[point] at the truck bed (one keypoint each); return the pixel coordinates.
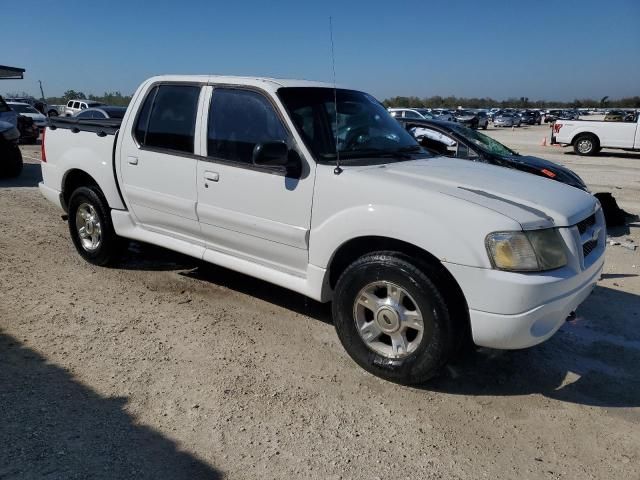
(101, 126)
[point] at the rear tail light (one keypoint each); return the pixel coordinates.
(43, 155)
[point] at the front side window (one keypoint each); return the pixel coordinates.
(238, 121)
(76, 104)
(361, 127)
(483, 142)
(168, 118)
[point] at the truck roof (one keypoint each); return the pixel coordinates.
(272, 84)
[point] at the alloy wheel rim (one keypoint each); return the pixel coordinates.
(388, 319)
(88, 227)
(584, 146)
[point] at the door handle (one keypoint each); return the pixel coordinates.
(212, 176)
(132, 160)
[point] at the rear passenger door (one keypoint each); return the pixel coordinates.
(249, 211)
(158, 161)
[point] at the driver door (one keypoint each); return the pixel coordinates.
(251, 212)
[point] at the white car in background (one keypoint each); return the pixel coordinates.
(26, 110)
(75, 106)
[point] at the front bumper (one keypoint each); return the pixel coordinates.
(529, 328)
(510, 310)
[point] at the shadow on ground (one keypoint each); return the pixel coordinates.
(609, 153)
(147, 257)
(265, 291)
(592, 360)
(54, 427)
(30, 177)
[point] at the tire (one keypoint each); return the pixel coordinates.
(423, 352)
(484, 127)
(88, 209)
(11, 165)
(586, 144)
(53, 113)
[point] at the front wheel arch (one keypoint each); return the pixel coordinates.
(358, 247)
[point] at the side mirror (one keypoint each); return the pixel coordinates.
(278, 156)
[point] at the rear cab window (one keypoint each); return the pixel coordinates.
(167, 119)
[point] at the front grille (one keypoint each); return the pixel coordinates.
(586, 223)
(588, 247)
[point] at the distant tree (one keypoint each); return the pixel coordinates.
(69, 94)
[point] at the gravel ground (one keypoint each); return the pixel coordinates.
(167, 368)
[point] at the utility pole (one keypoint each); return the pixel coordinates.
(41, 91)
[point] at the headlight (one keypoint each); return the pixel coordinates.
(531, 251)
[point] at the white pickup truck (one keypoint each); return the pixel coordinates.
(588, 137)
(416, 252)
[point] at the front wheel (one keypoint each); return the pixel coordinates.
(392, 318)
(90, 227)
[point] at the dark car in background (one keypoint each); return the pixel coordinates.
(10, 156)
(455, 140)
(531, 117)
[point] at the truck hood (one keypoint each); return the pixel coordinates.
(532, 201)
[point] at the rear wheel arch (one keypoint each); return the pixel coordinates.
(73, 180)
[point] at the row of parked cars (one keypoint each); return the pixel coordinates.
(508, 117)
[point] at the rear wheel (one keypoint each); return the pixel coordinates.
(392, 319)
(586, 144)
(90, 227)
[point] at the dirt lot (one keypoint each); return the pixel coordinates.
(165, 368)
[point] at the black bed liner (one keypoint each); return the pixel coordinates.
(100, 126)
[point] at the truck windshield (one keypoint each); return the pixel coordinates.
(483, 141)
(364, 128)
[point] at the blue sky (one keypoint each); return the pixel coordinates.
(542, 50)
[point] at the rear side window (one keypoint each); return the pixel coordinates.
(238, 120)
(76, 104)
(168, 118)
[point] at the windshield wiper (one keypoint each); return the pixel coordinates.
(402, 153)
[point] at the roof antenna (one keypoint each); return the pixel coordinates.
(338, 169)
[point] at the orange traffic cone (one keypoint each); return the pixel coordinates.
(544, 142)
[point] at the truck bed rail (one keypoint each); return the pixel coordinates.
(100, 126)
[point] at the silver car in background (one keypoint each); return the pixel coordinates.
(506, 120)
